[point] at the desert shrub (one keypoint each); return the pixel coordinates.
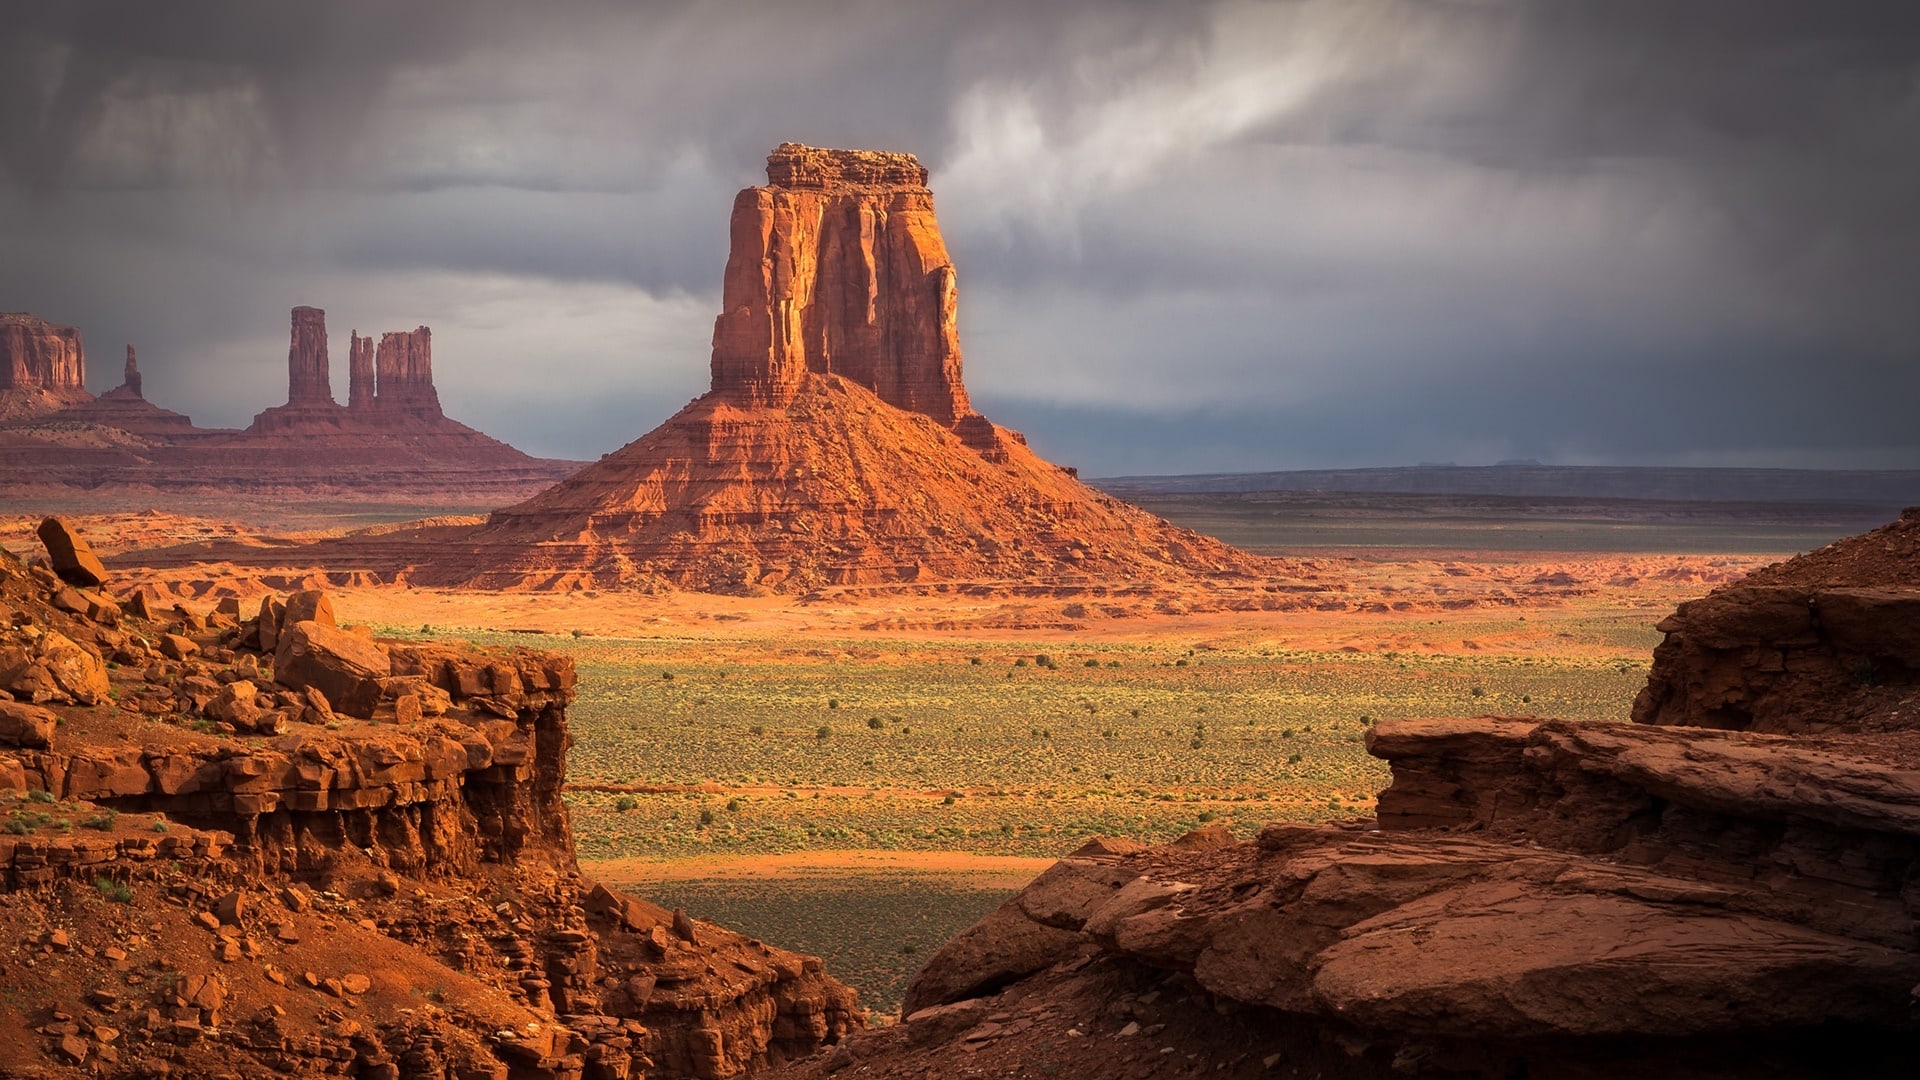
(823, 732)
(875, 723)
(706, 816)
(625, 803)
(117, 891)
(40, 795)
(733, 806)
(833, 703)
(102, 821)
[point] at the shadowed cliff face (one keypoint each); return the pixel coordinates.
(837, 267)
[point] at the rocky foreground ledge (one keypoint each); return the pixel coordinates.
(241, 845)
(1536, 897)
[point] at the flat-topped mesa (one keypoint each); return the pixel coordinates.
(42, 366)
(837, 267)
(405, 366)
(307, 375)
(360, 377)
(796, 167)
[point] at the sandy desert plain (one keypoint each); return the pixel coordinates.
(862, 773)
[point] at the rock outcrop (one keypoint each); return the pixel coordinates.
(130, 375)
(837, 267)
(836, 446)
(360, 373)
(123, 409)
(309, 380)
(1727, 888)
(1826, 642)
(404, 364)
(395, 446)
(43, 367)
(212, 865)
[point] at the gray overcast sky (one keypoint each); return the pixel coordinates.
(1190, 235)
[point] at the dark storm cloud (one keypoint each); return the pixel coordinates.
(1340, 232)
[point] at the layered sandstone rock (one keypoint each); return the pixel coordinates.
(360, 373)
(43, 367)
(836, 446)
(125, 408)
(308, 378)
(1535, 897)
(130, 375)
(1826, 642)
(209, 871)
(405, 370)
(837, 267)
(399, 448)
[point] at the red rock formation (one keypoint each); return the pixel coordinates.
(42, 367)
(124, 409)
(405, 364)
(836, 445)
(360, 373)
(404, 451)
(130, 375)
(308, 379)
(837, 267)
(1829, 641)
(1536, 897)
(341, 897)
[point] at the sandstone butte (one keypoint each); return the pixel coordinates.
(836, 445)
(41, 367)
(260, 843)
(1727, 886)
(391, 442)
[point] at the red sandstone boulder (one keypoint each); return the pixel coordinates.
(27, 726)
(345, 667)
(72, 557)
(310, 605)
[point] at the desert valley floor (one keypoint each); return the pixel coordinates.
(862, 773)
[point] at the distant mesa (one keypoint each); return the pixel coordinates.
(836, 446)
(42, 367)
(391, 442)
(386, 388)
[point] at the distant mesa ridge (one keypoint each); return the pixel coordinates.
(1887, 488)
(391, 441)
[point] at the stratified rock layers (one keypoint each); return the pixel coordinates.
(42, 366)
(836, 445)
(1543, 897)
(838, 268)
(390, 443)
(404, 364)
(360, 376)
(308, 380)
